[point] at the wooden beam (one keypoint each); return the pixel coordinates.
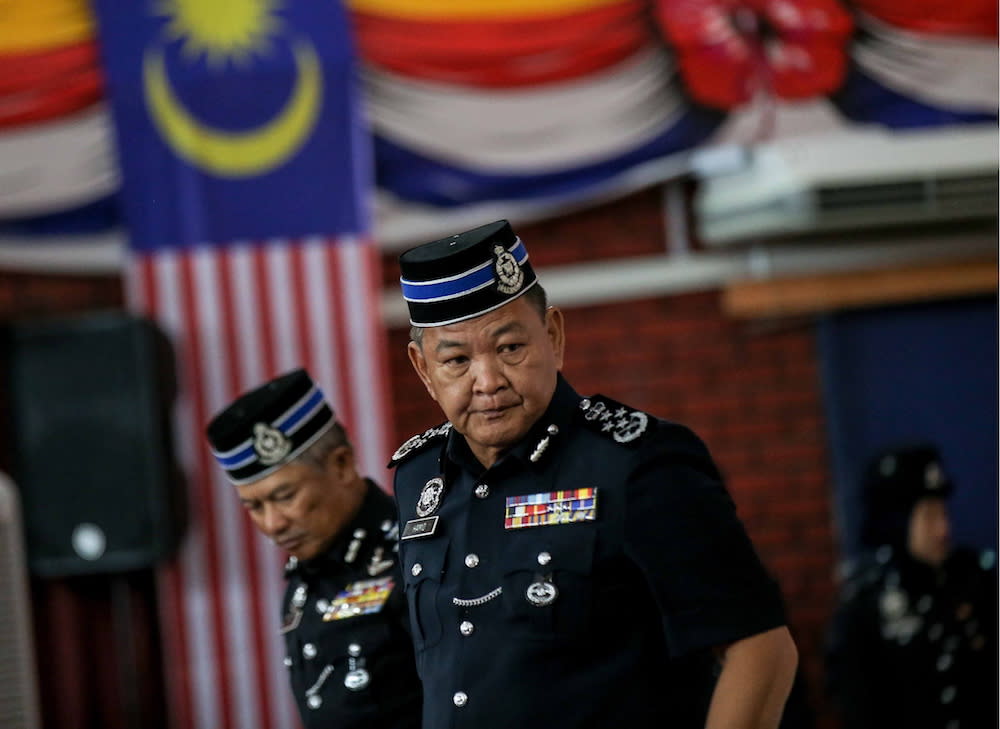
(792, 296)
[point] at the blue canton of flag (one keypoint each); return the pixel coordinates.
(232, 120)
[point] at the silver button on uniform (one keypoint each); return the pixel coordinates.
(354, 649)
(466, 627)
(314, 701)
(471, 560)
(460, 698)
(309, 650)
(544, 558)
(288, 661)
(482, 491)
(416, 569)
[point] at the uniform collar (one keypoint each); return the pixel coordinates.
(546, 431)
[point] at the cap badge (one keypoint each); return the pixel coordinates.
(933, 476)
(430, 497)
(510, 277)
(270, 443)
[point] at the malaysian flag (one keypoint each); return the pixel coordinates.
(246, 175)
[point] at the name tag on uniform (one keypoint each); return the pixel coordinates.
(555, 507)
(360, 598)
(416, 528)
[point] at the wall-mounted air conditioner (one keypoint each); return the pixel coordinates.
(849, 180)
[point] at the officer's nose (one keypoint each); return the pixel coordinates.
(488, 377)
(273, 521)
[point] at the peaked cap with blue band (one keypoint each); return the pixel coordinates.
(465, 275)
(269, 426)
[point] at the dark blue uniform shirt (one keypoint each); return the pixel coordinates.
(575, 615)
(349, 653)
(915, 646)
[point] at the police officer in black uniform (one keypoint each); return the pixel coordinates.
(913, 640)
(562, 555)
(349, 653)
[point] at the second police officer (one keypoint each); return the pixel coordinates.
(344, 624)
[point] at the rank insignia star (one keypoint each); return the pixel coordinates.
(622, 424)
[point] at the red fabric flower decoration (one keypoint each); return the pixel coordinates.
(729, 50)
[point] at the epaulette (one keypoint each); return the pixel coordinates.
(419, 442)
(616, 421)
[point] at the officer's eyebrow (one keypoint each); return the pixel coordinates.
(278, 490)
(447, 344)
(512, 326)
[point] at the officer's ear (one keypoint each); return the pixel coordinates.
(556, 333)
(340, 463)
(419, 363)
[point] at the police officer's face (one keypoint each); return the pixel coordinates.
(494, 375)
(929, 535)
(302, 508)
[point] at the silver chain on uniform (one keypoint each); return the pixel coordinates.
(477, 600)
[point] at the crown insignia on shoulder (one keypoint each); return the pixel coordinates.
(612, 418)
(418, 442)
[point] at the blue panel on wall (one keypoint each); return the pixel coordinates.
(924, 372)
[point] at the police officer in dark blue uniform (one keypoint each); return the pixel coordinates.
(563, 554)
(913, 640)
(349, 653)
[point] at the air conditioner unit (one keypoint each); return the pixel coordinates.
(849, 180)
(19, 708)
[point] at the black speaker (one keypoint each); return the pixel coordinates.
(90, 402)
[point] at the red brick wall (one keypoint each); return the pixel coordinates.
(752, 392)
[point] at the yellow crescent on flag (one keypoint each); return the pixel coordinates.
(243, 153)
